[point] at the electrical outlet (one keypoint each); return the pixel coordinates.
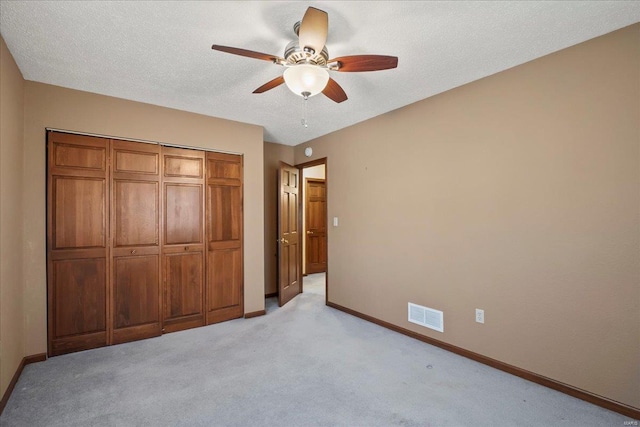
(479, 315)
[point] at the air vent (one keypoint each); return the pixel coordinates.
(428, 317)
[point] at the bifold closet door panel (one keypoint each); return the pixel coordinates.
(78, 291)
(135, 295)
(77, 242)
(183, 238)
(184, 290)
(225, 296)
(135, 229)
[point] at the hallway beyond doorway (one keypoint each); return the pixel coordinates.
(314, 283)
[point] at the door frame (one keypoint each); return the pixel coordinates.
(323, 161)
(305, 261)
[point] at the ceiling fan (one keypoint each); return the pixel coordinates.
(307, 60)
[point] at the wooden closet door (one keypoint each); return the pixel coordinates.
(183, 239)
(77, 242)
(135, 227)
(224, 267)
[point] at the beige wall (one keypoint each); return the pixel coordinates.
(517, 194)
(11, 167)
(273, 155)
(52, 106)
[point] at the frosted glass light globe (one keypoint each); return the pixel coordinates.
(306, 78)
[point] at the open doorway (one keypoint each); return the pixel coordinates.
(313, 204)
(301, 241)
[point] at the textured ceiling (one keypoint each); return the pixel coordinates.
(159, 52)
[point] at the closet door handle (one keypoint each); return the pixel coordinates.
(133, 252)
(186, 248)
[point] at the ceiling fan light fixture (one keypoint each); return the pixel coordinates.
(307, 61)
(306, 79)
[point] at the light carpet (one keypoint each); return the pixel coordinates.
(303, 364)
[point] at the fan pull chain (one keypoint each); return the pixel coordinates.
(305, 97)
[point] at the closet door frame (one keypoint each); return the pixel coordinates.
(227, 252)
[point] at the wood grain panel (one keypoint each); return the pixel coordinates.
(135, 229)
(294, 209)
(79, 287)
(136, 291)
(294, 263)
(289, 245)
(183, 166)
(316, 215)
(183, 238)
(223, 166)
(224, 262)
(284, 213)
(135, 161)
(225, 279)
(224, 212)
(183, 213)
(135, 209)
(134, 333)
(77, 242)
(79, 156)
(184, 284)
(316, 226)
(316, 249)
(316, 188)
(79, 212)
(79, 342)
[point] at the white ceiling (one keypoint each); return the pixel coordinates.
(159, 52)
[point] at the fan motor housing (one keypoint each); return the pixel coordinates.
(294, 54)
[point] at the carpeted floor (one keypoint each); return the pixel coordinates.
(300, 365)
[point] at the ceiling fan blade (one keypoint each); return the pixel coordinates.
(247, 53)
(270, 85)
(334, 91)
(313, 29)
(365, 62)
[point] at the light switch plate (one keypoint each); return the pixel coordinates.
(335, 221)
